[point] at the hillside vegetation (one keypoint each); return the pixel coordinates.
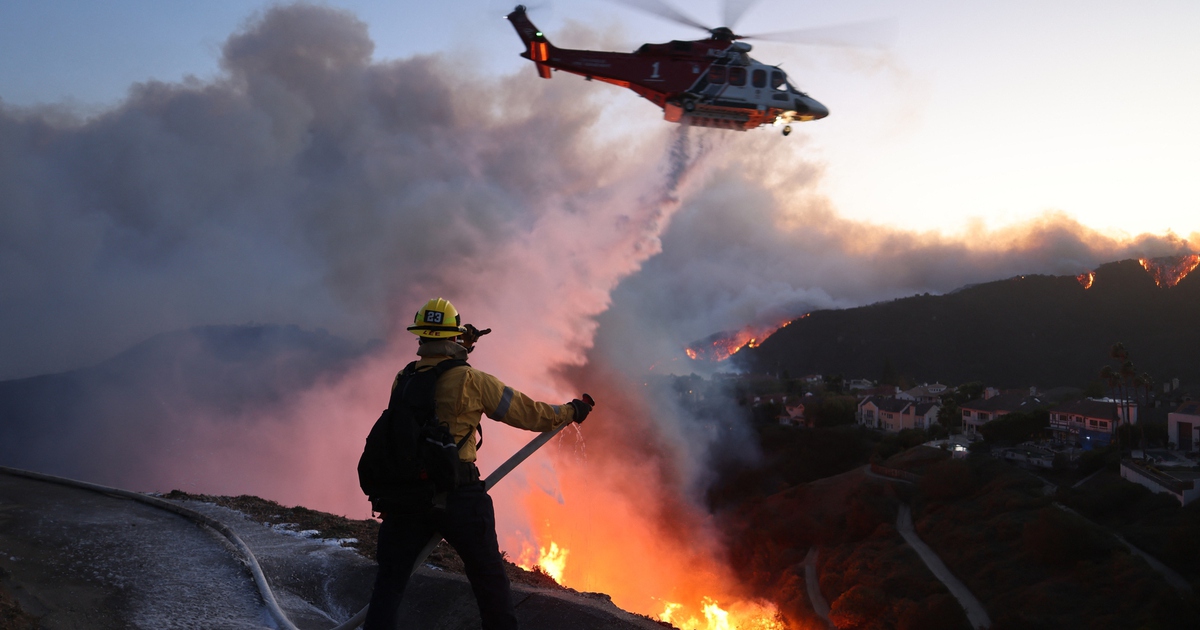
(1030, 330)
(1030, 562)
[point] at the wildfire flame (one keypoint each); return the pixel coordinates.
(724, 345)
(717, 618)
(550, 560)
(1167, 272)
(616, 549)
(1086, 279)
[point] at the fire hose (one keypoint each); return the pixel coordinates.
(260, 580)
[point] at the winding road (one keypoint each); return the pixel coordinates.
(976, 613)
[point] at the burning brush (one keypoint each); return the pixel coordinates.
(725, 344)
(1168, 271)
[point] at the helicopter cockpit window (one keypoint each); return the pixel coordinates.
(778, 81)
(737, 76)
(759, 78)
(716, 74)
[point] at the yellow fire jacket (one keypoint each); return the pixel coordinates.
(464, 395)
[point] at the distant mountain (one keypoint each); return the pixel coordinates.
(1029, 330)
(113, 421)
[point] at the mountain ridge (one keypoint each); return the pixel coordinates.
(1027, 330)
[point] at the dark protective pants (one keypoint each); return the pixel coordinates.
(469, 524)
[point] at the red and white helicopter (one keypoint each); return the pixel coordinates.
(709, 82)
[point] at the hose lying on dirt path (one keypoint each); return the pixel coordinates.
(260, 580)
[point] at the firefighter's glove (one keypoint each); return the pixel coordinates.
(472, 335)
(581, 408)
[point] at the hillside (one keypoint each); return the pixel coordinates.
(994, 525)
(1029, 330)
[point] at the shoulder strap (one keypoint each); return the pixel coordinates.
(448, 364)
(444, 367)
(402, 384)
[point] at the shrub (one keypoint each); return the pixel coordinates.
(1055, 538)
(982, 448)
(832, 411)
(858, 608)
(946, 481)
(1096, 459)
(867, 508)
(937, 612)
(1016, 427)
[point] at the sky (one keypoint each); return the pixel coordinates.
(991, 112)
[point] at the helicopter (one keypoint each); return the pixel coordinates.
(709, 82)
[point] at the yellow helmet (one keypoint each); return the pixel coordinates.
(438, 319)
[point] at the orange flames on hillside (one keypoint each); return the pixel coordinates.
(603, 538)
(724, 345)
(1086, 279)
(1167, 272)
(550, 560)
(707, 614)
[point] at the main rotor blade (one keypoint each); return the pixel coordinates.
(663, 10)
(735, 9)
(866, 34)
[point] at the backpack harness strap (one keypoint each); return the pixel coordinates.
(440, 369)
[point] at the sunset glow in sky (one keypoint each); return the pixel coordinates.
(992, 111)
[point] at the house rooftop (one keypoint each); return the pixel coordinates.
(1191, 408)
(1016, 401)
(1089, 409)
(1059, 394)
(934, 390)
(894, 405)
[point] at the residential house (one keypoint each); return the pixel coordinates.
(1090, 422)
(1183, 426)
(856, 384)
(1181, 483)
(925, 414)
(765, 399)
(924, 393)
(893, 414)
(793, 412)
(980, 411)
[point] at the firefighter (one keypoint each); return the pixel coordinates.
(464, 516)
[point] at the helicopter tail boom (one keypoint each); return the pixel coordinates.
(537, 47)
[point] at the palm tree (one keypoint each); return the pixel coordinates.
(1125, 382)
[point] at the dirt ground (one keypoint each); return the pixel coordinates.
(77, 559)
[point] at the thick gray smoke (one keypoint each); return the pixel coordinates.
(311, 186)
(308, 185)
